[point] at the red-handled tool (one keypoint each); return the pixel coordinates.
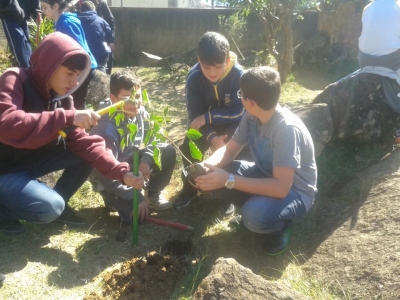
(170, 224)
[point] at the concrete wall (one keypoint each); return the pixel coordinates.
(168, 31)
(164, 32)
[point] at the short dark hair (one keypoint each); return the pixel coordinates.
(122, 80)
(76, 62)
(62, 4)
(213, 48)
(262, 85)
(88, 6)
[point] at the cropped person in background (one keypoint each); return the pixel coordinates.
(69, 24)
(379, 48)
(104, 11)
(99, 35)
(14, 15)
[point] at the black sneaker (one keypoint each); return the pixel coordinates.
(184, 200)
(11, 227)
(2, 278)
(226, 209)
(69, 217)
(276, 243)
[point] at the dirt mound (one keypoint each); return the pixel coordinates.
(154, 277)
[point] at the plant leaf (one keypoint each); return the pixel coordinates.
(132, 129)
(121, 132)
(195, 151)
(122, 144)
(111, 111)
(145, 97)
(193, 134)
(148, 136)
(157, 156)
(118, 118)
(156, 127)
(166, 111)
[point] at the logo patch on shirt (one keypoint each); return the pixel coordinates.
(227, 99)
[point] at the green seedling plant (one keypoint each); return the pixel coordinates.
(154, 134)
(38, 32)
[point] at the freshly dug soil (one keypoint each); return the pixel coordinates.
(152, 278)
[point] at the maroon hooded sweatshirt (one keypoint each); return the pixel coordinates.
(31, 115)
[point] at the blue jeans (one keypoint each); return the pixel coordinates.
(24, 197)
(261, 214)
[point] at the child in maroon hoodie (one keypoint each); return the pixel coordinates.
(35, 106)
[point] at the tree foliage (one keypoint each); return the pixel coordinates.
(329, 5)
(276, 17)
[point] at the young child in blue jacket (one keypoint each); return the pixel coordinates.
(99, 35)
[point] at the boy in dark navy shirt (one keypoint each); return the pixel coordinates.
(212, 102)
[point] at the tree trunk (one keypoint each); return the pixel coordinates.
(285, 55)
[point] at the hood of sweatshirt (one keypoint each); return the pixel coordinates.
(54, 49)
(87, 17)
(233, 60)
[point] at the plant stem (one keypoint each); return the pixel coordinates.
(135, 206)
(177, 148)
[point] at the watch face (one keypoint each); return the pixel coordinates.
(230, 183)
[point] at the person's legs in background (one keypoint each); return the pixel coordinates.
(18, 40)
(80, 95)
(110, 63)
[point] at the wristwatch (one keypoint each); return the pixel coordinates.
(230, 183)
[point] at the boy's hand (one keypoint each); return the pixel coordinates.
(145, 169)
(198, 122)
(214, 180)
(136, 182)
(143, 212)
(85, 119)
(218, 142)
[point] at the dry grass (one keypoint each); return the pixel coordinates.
(59, 262)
